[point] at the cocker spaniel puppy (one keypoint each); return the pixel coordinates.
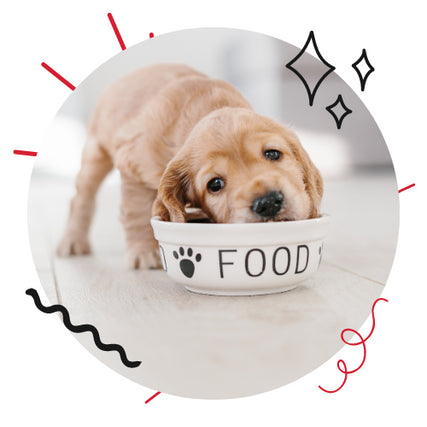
(179, 139)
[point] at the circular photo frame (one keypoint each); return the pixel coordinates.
(215, 346)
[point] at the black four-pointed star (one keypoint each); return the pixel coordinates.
(363, 76)
(311, 91)
(338, 110)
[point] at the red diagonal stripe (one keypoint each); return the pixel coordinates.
(25, 153)
(153, 396)
(58, 76)
(406, 188)
(116, 31)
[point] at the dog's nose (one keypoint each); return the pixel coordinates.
(269, 204)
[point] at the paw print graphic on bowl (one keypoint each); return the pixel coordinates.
(187, 265)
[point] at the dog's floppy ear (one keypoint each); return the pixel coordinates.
(312, 178)
(172, 193)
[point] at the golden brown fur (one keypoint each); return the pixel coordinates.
(169, 129)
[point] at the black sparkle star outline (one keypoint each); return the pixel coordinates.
(363, 79)
(347, 111)
(289, 65)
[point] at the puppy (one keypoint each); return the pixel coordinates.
(179, 139)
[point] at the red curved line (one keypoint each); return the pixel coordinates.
(364, 353)
(362, 341)
(373, 317)
(372, 328)
(354, 332)
(345, 379)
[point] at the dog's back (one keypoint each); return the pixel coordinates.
(129, 95)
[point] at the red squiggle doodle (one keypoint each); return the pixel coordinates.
(341, 365)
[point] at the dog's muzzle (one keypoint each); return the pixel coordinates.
(269, 204)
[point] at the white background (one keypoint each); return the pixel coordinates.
(47, 378)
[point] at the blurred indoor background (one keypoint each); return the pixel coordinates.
(253, 63)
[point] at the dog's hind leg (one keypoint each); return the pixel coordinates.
(96, 164)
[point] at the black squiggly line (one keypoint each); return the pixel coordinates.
(81, 328)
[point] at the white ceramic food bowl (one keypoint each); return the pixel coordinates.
(241, 259)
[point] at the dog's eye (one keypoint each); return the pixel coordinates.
(272, 154)
(215, 184)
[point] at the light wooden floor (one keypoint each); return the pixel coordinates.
(217, 347)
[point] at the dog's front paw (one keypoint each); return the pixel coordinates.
(73, 245)
(138, 258)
